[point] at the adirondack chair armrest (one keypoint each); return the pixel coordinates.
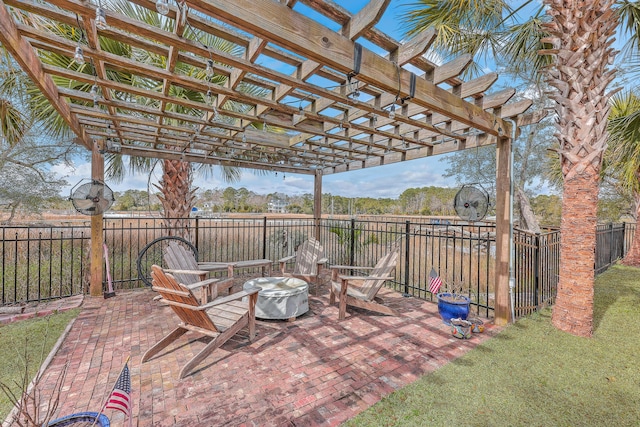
(336, 268)
(232, 297)
(283, 262)
(214, 266)
(287, 258)
(323, 261)
(192, 272)
(347, 278)
(350, 267)
(202, 283)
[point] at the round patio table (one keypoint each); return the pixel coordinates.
(280, 297)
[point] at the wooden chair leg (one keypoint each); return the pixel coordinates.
(342, 311)
(164, 342)
(252, 315)
(332, 295)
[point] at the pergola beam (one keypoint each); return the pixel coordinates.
(296, 32)
(365, 19)
(424, 125)
(26, 57)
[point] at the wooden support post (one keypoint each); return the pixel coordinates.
(317, 202)
(503, 220)
(97, 234)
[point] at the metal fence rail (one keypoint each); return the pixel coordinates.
(610, 245)
(536, 269)
(44, 262)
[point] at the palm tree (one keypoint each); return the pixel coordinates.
(177, 192)
(581, 76)
(622, 159)
(578, 40)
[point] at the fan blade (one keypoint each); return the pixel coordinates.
(84, 204)
(103, 205)
(473, 213)
(96, 193)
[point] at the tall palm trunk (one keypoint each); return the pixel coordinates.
(177, 197)
(582, 34)
(633, 256)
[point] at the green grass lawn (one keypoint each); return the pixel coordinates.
(534, 375)
(31, 341)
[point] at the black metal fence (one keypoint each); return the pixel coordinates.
(611, 244)
(536, 268)
(44, 262)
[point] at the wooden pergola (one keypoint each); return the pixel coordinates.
(317, 93)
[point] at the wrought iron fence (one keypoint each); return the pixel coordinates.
(536, 268)
(44, 262)
(610, 244)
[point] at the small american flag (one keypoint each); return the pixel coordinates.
(434, 281)
(120, 398)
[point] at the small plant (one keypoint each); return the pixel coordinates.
(453, 290)
(33, 405)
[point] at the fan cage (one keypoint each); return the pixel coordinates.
(91, 198)
(471, 202)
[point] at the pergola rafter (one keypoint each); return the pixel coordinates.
(327, 123)
(303, 115)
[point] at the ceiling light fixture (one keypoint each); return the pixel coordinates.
(79, 55)
(162, 6)
(101, 20)
(209, 69)
(95, 94)
(392, 112)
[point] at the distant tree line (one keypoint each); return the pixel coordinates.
(430, 201)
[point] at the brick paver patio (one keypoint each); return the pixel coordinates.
(314, 371)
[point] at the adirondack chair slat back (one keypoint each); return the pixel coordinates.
(383, 268)
(165, 283)
(177, 257)
(307, 256)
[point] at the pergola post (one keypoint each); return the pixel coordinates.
(317, 202)
(97, 235)
(503, 227)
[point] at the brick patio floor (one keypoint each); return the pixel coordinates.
(313, 371)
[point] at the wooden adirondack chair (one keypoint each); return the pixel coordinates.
(220, 319)
(187, 270)
(361, 291)
(309, 260)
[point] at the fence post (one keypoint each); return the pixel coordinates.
(264, 238)
(352, 255)
(611, 248)
(197, 239)
(406, 258)
(536, 272)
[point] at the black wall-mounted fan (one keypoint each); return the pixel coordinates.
(91, 198)
(471, 203)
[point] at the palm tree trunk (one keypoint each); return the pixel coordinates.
(573, 311)
(177, 197)
(633, 256)
(582, 33)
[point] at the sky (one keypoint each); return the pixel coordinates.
(384, 181)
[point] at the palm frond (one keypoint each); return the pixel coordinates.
(13, 124)
(622, 159)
